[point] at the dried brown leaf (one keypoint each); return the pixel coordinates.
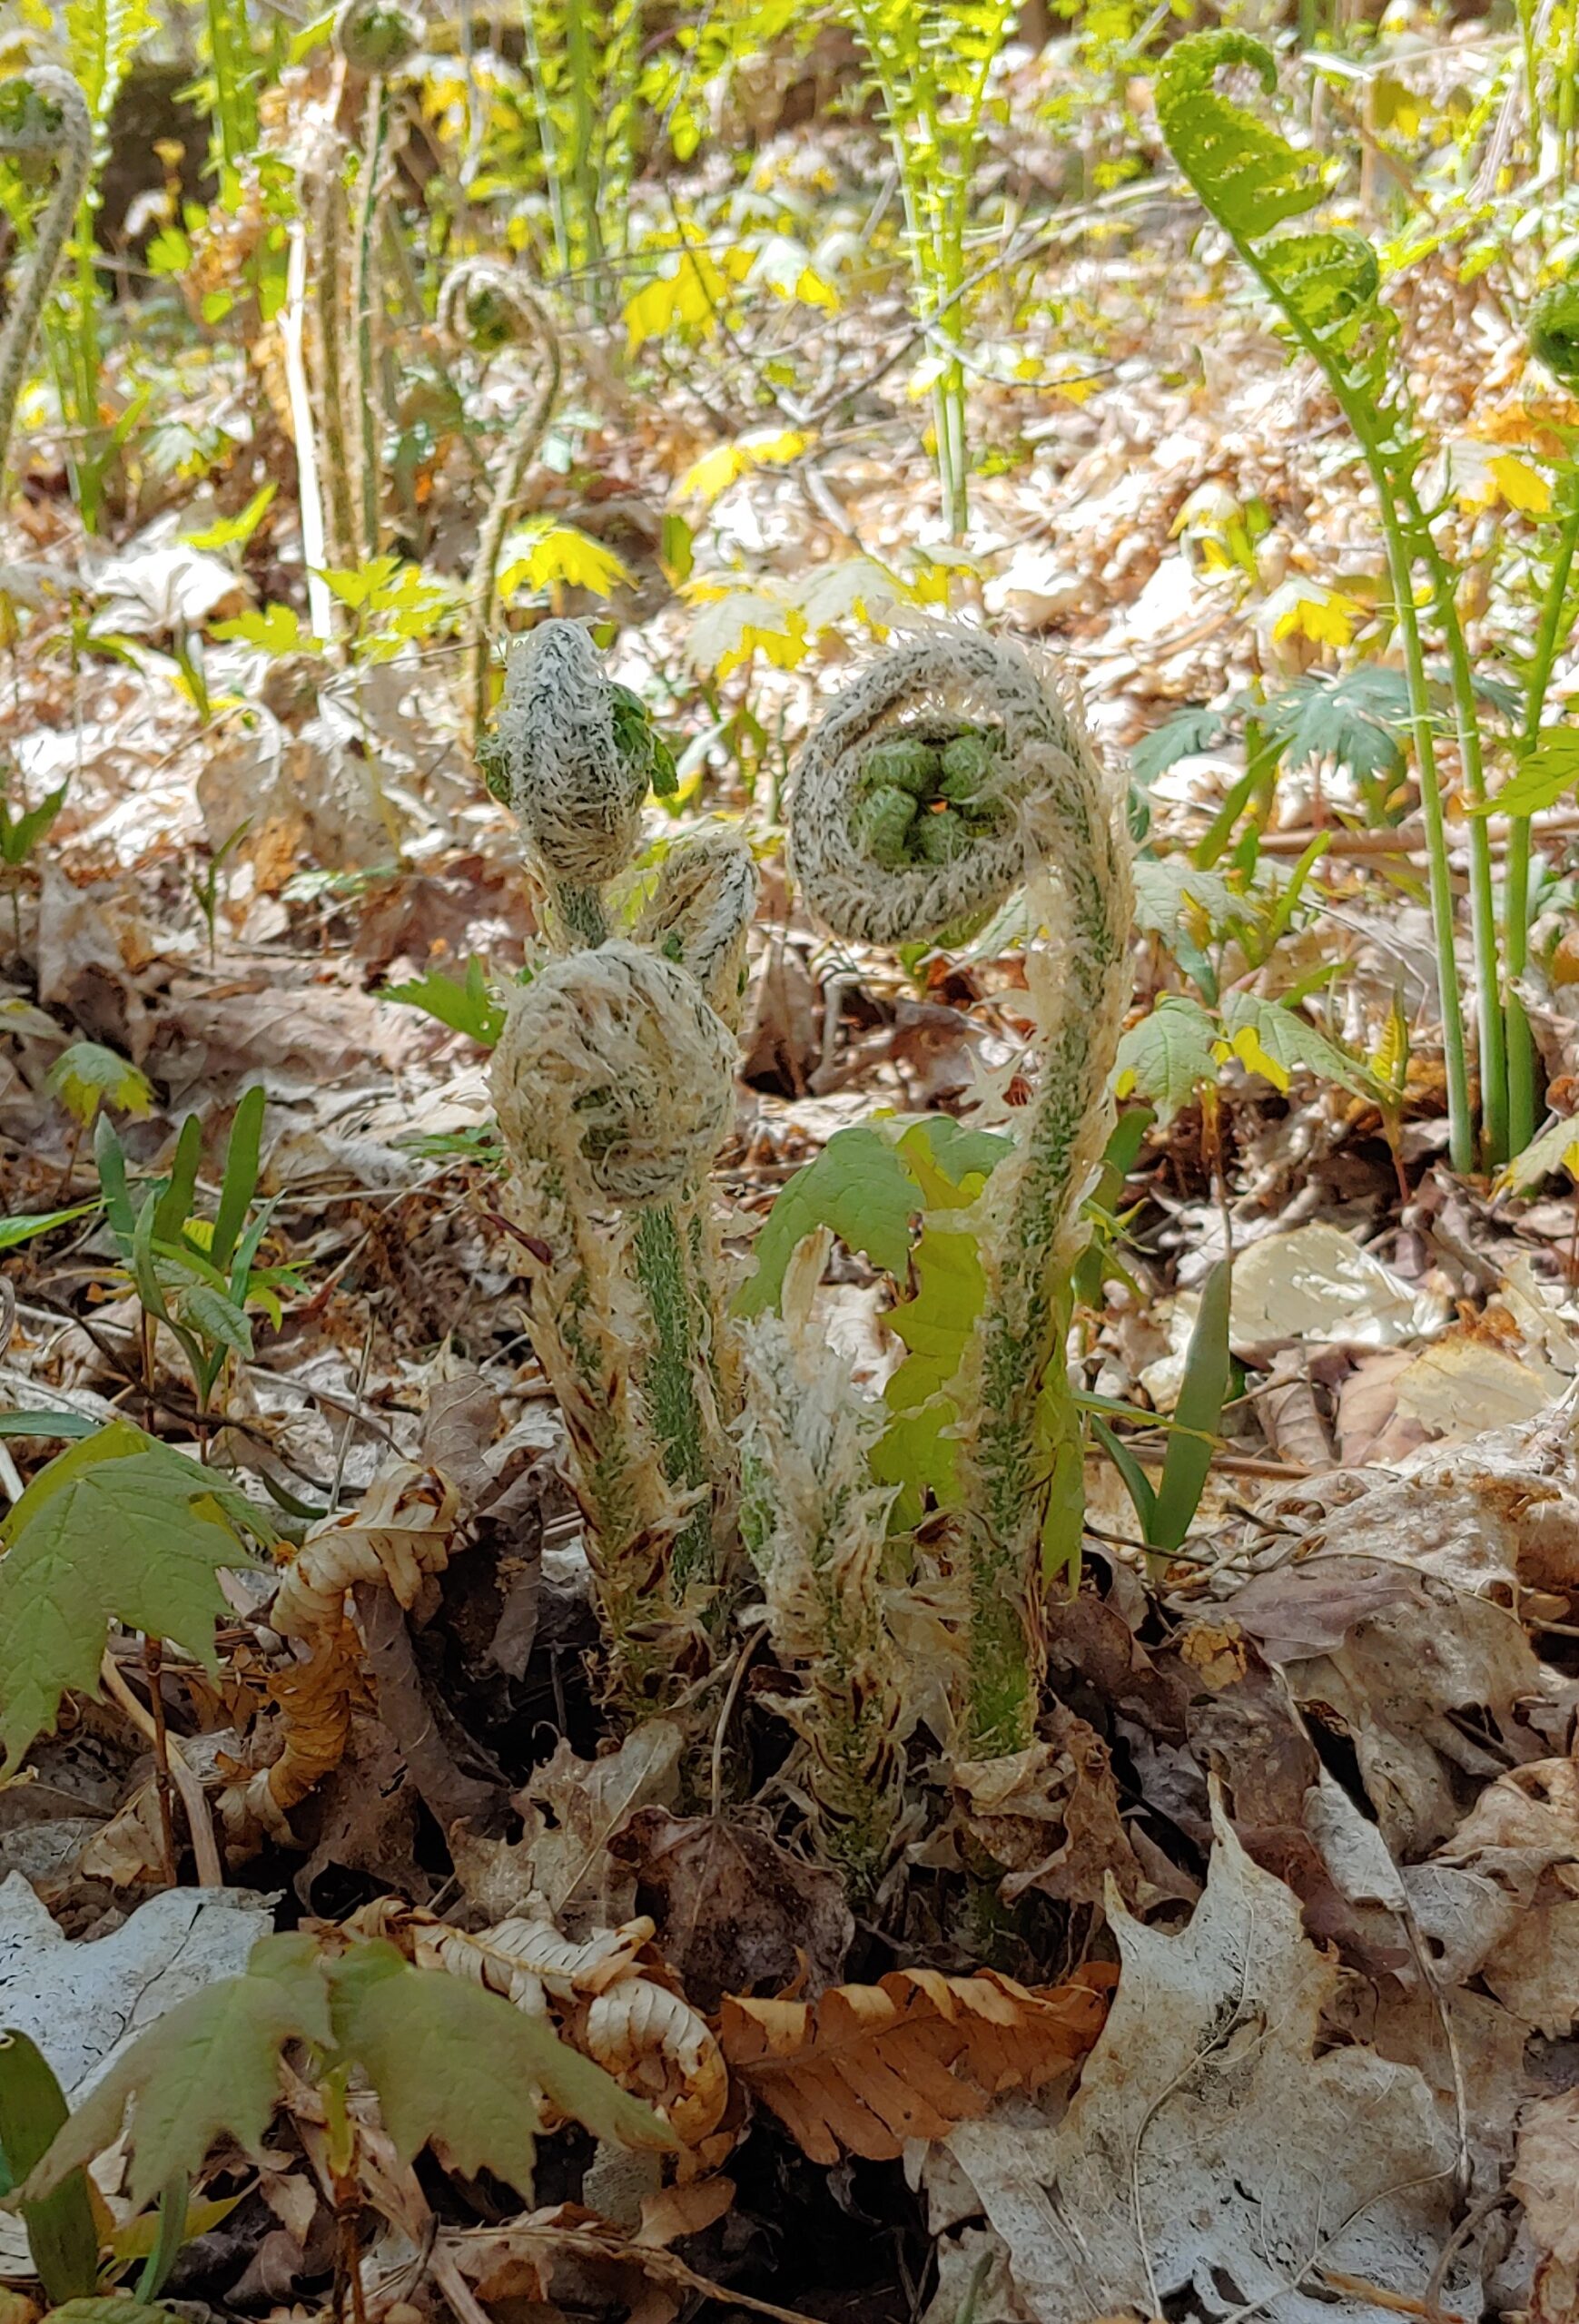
(867, 2067)
(1545, 2179)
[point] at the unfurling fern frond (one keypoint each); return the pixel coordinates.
(961, 735)
(1249, 178)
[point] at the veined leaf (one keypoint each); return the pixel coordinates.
(87, 1075)
(858, 1185)
(61, 2234)
(27, 1224)
(455, 2064)
(1178, 737)
(1548, 768)
(1168, 1056)
(210, 2066)
(116, 1528)
(1291, 1041)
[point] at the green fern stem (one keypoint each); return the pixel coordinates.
(946, 778)
(675, 1368)
(42, 113)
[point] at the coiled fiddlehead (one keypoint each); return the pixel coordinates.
(488, 305)
(614, 1085)
(44, 116)
(376, 38)
(976, 734)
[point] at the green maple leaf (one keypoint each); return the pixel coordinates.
(1168, 1056)
(118, 1528)
(209, 2066)
(455, 2064)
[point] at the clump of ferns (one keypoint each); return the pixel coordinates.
(488, 305)
(946, 778)
(614, 1084)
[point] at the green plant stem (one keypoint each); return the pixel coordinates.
(677, 1362)
(1365, 424)
(1521, 1046)
(74, 146)
(1493, 1051)
(329, 219)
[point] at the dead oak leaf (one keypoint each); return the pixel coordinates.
(867, 2067)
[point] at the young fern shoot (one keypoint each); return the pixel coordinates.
(488, 305)
(614, 1082)
(946, 778)
(815, 1527)
(43, 118)
(376, 38)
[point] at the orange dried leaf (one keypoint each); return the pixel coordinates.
(867, 2067)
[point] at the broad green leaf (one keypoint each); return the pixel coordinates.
(1291, 1041)
(1165, 886)
(453, 2063)
(468, 1007)
(209, 2067)
(1548, 769)
(1206, 1368)
(1168, 1057)
(61, 2235)
(215, 1318)
(858, 1185)
(86, 1076)
(117, 1528)
(27, 1224)
(240, 1182)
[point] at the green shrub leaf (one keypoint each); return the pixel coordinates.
(116, 1528)
(209, 2067)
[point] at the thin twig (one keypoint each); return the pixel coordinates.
(209, 1871)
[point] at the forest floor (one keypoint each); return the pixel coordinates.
(1360, 1670)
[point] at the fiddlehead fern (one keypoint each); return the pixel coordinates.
(813, 1525)
(488, 304)
(376, 38)
(1031, 800)
(43, 117)
(614, 1085)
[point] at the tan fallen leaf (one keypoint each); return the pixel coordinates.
(1209, 2152)
(868, 2067)
(1545, 2179)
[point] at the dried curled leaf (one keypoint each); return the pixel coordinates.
(656, 2043)
(404, 1530)
(867, 2067)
